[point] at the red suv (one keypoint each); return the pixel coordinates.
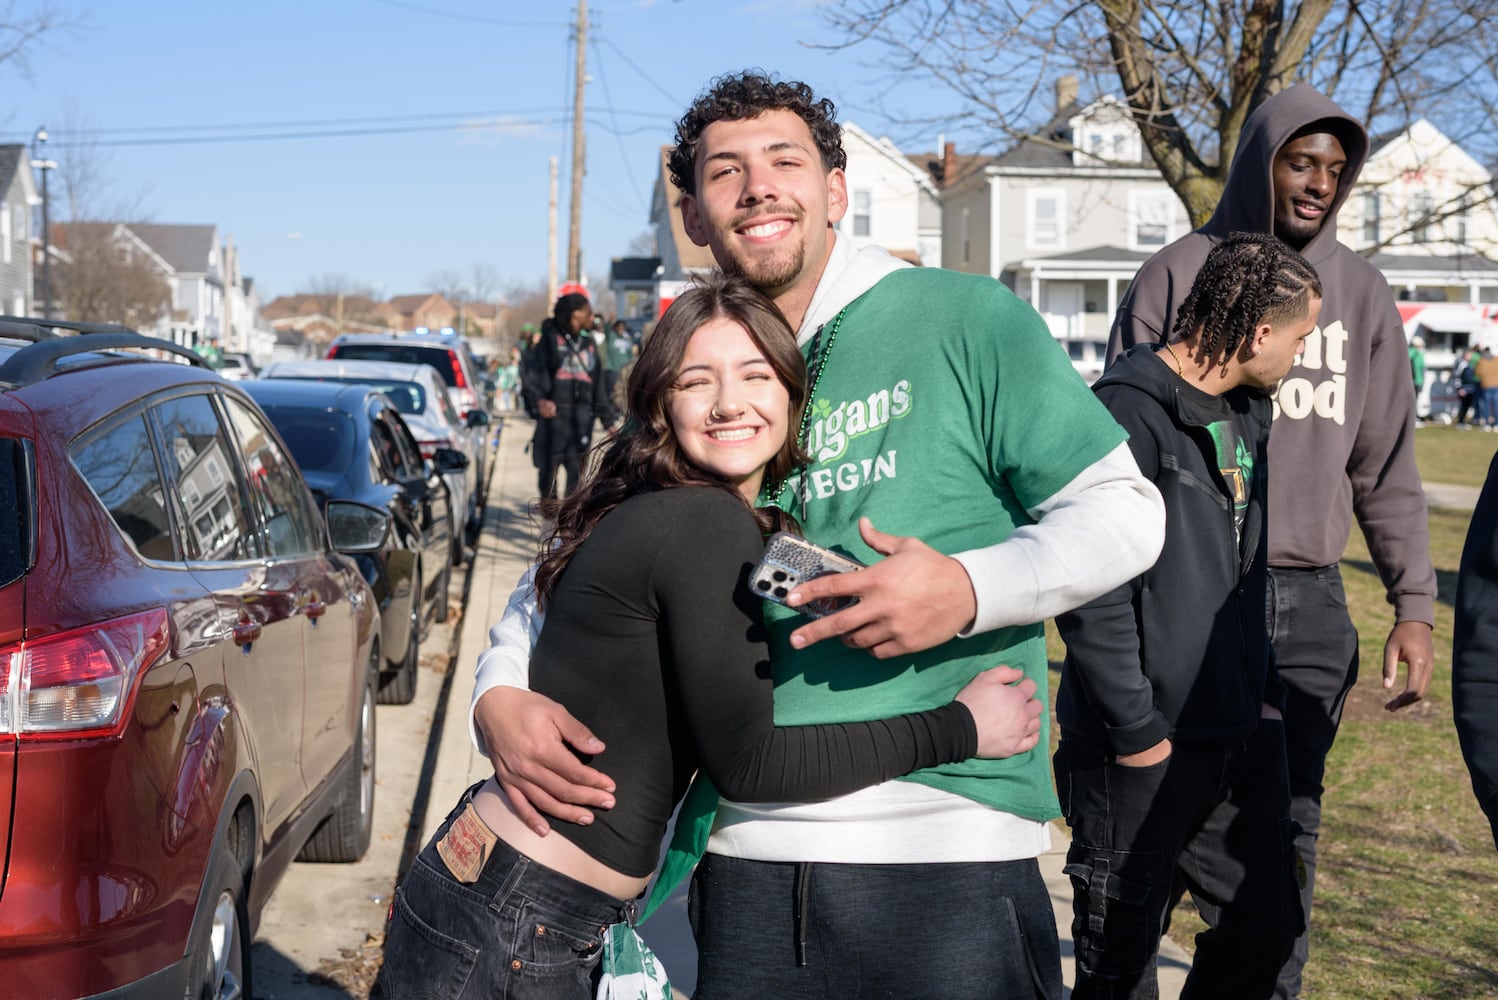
(187, 669)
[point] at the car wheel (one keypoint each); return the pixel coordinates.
(345, 835)
(218, 962)
(399, 687)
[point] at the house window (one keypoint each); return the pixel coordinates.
(1420, 222)
(1372, 218)
(1047, 207)
(5, 233)
(1460, 219)
(1151, 216)
(863, 207)
(967, 237)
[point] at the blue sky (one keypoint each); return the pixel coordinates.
(389, 210)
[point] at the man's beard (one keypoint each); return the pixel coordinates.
(769, 272)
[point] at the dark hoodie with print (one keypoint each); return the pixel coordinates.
(1343, 440)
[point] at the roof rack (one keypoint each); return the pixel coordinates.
(39, 360)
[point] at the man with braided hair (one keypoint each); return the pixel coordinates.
(1344, 436)
(1171, 764)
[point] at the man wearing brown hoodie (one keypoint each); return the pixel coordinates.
(1343, 440)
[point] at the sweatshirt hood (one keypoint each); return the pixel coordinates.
(1248, 196)
(848, 274)
(1138, 370)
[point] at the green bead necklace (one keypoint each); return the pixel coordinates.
(770, 496)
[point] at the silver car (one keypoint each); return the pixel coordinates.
(422, 399)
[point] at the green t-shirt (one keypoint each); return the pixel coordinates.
(945, 411)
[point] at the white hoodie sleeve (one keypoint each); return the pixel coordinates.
(507, 661)
(1104, 527)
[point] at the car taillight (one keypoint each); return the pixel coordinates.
(79, 684)
(429, 448)
(333, 351)
(461, 383)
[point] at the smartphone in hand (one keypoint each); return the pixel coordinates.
(790, 560)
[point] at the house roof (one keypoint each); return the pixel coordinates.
(1462, 263)
(1096, 254)
(633, 268)
(185, 247)
(692, 256)
(11, 155)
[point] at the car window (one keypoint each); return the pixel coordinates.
(319, 441)
(449, 411)
(440, 358)
(199, 462)
(407, 396)
(119, 464)
(17, 501)
(390, 452)
(277, 491)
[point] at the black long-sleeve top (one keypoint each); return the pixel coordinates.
(1474, 650)
(653, 640)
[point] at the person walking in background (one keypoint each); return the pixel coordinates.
(1172, 756)
(1417, 370)
(507, 379)
(569, 393)
(1344, 436)
(1468, 389)
(1487, 381)
(653, 638)
(619, 348)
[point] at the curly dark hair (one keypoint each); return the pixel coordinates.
(749, 94)
(1247, 279)
(645, 455)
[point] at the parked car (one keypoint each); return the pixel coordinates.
(187, 669)
(422, 400)
(352, 444)
(234, 366)
(444, 352)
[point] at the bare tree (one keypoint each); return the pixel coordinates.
(22, 31)
(643, 245)
(110, 279)
(1192, 72)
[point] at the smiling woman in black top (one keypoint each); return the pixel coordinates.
(653, 640)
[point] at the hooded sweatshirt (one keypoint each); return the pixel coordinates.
(1344, 417)
(1182, 650)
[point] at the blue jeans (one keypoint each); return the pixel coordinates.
(1213, 818)
(959, 931)
(521, 931)
(1316, 650)
(1490, 404)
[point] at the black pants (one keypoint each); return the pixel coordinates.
(562, 442)
(1316, 648)
(1213, 817)
(961, 931)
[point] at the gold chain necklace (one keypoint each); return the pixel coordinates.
(1177, 360)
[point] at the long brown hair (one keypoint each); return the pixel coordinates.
(644, 456)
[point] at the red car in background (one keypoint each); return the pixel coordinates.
(187, 669)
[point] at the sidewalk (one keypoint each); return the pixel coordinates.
(504, 550)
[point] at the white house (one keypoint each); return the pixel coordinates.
(17, 198)
(1064, 218)
(892, 202)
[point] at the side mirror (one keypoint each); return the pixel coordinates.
(476, 418)
(356, 527)
(449, 460)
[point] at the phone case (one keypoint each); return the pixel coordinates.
(790, 559)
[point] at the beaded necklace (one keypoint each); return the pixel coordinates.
(770, 495)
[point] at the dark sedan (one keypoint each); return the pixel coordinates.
(352, 444)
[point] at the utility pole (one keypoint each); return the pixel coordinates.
(551, 239)
(45, 166)
(579, 150)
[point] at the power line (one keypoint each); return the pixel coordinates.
(475, 18)
(608, 100)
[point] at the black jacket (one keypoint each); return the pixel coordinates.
(569, 373)
(1183, 650)
(1474, 650)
